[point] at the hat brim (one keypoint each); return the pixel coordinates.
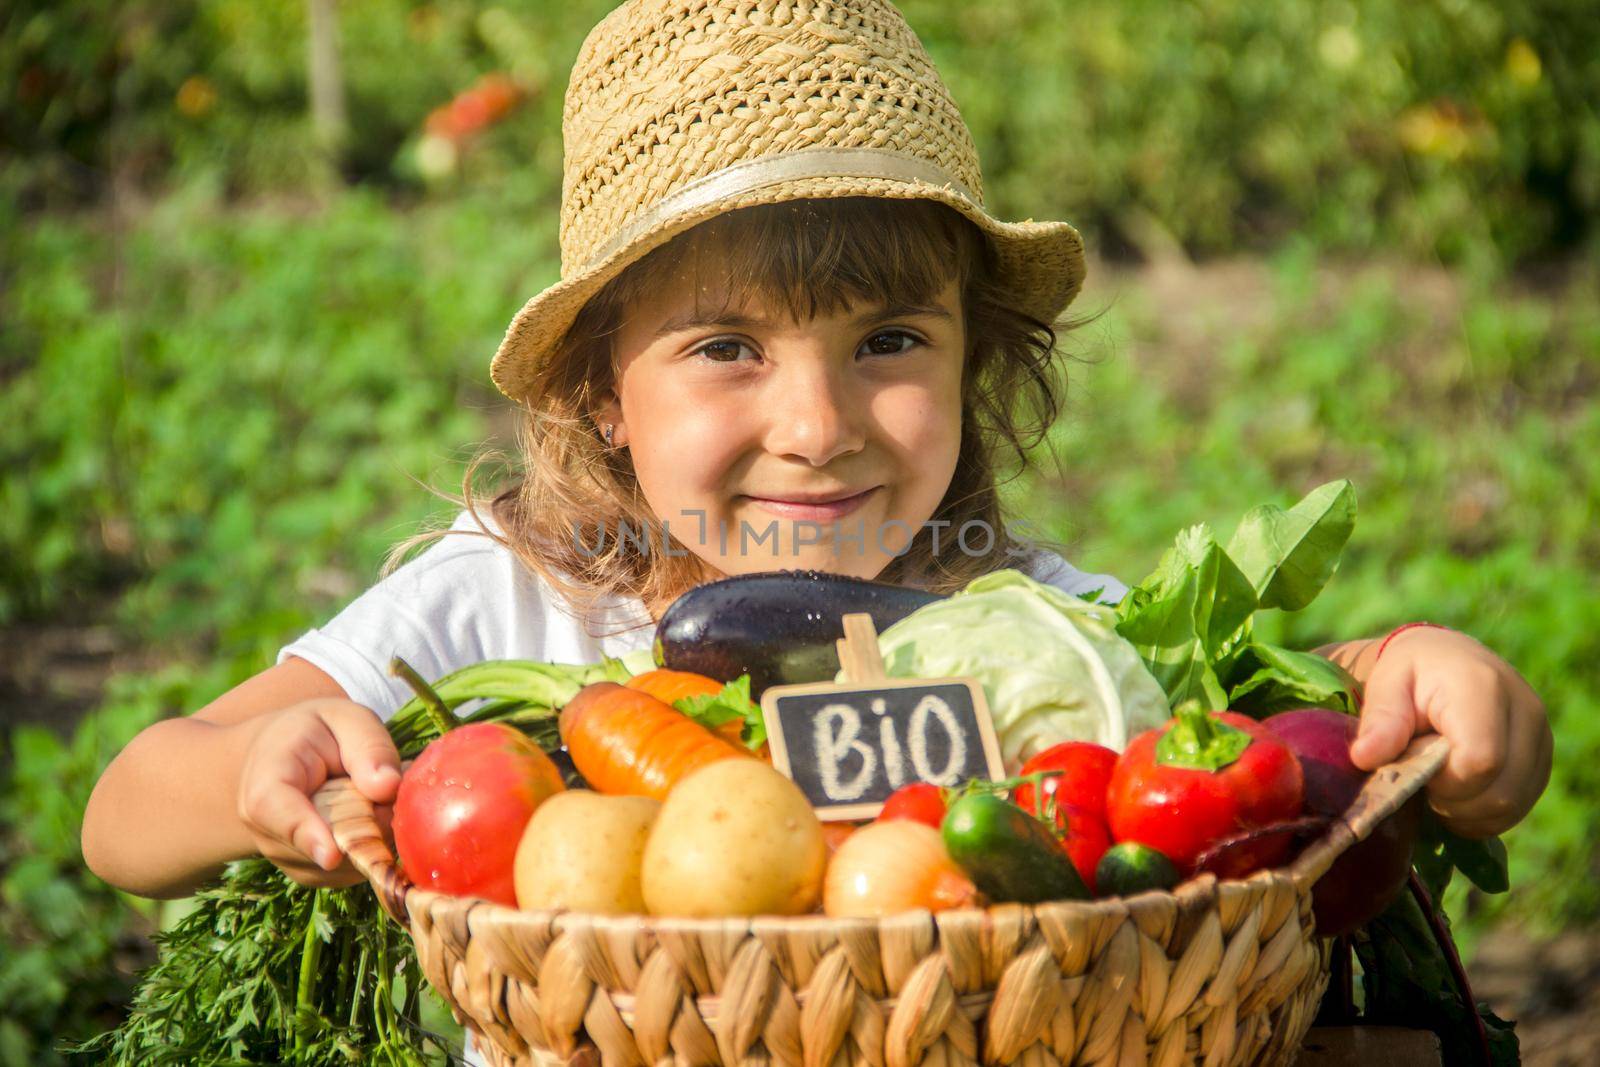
(1040, 262)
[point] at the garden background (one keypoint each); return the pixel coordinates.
(248, 297)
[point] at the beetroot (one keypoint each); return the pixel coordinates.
(1321, 738)
(1369, 874)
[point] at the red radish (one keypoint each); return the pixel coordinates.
(1368, 875)
(462, 806)
(920, 802)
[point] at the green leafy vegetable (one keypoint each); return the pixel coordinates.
(1288, 556)
(1186, 618)
(1276, 679)
(1441, 852)
(732, 704)
(1051, 665)
(1191, 619)
(1409, 977)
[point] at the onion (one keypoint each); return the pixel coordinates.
(890, 867)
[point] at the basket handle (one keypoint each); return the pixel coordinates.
(357, 833)
(1385, 792)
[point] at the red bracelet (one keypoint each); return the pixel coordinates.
(1398, 630)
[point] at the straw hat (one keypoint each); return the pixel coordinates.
(680, 110)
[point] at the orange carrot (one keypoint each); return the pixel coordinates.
(669, 685)
(626, 741)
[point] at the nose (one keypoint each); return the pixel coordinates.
(814, 413)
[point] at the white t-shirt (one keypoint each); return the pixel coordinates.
(467, 599)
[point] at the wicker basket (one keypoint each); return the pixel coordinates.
(1214, 973)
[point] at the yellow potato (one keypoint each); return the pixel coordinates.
(581, 851)
(734, 838)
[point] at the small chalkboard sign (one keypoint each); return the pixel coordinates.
(849, 745)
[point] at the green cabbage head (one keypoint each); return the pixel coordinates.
(1052, 665)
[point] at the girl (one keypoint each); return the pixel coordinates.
(787, 334)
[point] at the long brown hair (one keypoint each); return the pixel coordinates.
(819, 256)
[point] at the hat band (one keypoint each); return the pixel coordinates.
(753, 174)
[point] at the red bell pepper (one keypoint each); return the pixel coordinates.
(1203, 777)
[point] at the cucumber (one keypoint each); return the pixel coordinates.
(1009, 854)
(1130, 867)
(779, 627)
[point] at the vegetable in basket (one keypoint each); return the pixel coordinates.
(461, 808)
(1052, 665)
(1073, 774)
(626, 741)
(670, 686)
(1367, 877)
(734, 838)
(779, 627)
(894, 866)
(584, 851)
(1187, 786)
(919, 801)
(1128, 867)
(1067, 783)
(1009, 854)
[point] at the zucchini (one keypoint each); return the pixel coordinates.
(1009, 854)
(779, 627)
(1130, 867)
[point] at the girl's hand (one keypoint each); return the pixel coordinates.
(1434, 680)
(289, 760)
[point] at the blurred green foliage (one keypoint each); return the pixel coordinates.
(242, 414)
(217, 385)
(1466, 128)
(63, 929)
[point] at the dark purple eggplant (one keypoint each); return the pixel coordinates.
(779, 627)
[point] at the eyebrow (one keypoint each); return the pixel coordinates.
(696, 320)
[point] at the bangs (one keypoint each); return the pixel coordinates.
(815, 257)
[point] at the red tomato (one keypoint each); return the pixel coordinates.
(1085, 839)
(462, 806)
(1182, 809)
(920, 802)
(1085, 772)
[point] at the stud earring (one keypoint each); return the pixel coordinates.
(608, 434)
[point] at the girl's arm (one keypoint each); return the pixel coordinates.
(1435, 680)
(233, 780)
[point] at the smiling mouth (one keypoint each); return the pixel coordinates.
(813, 508)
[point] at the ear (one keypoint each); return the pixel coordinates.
(609, 413)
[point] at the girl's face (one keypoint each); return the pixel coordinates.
(766, 443)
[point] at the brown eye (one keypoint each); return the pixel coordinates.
(888, 343)
(722, 351)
